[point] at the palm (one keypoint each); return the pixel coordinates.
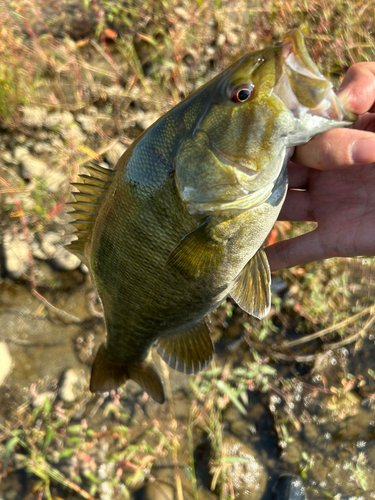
(332, 189)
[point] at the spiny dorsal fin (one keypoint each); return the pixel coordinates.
(189, 351)
(107, 374)
(252, 291)
(88, 201)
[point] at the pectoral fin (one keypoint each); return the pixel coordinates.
(189, 351)
(252, 291)
(198, 253)
(107, 375)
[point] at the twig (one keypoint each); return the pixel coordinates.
(55, 309)
(353, 337)
(345, 322)
(285, 357)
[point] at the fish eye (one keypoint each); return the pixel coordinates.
(242, 93)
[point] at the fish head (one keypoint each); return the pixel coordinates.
(257, 111)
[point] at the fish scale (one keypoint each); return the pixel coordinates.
(179, 225)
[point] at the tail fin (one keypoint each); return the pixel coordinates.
(107, 375)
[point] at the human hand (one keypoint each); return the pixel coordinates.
(336, 173)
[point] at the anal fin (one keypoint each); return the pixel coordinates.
(252, 291)
(198, 253)
(107, 375)
(189, 351)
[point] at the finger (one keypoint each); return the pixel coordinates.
(298, 176)
(357, 91)
(338, 148)
(296, 251)
(296, 207)
(365, 122)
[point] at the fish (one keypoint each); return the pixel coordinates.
(179, 224)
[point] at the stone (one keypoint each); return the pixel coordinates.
(40, 399)
(58, 119)
(64, 260)
(72, 385)
(16, 255)
(289, 487)
(6, 362)
(73, 133)
(32, 167)
(83, 268)
(43, 147)
(26, 201)
(20, 152)
(88, 123)
(7, 157)
(55, 181)
(158, 491)
(47, 248)
(115, 153)
(247, 475)
(147, 120)
(33, 116)
(113, 90)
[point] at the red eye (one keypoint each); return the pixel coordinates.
(242, 93)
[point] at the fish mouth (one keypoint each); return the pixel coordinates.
(302, 87)
(231, 163)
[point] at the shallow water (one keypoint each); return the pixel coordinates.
(303, 427)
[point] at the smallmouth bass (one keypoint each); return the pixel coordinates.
(179, 224)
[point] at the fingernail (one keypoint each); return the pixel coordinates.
(363, 151)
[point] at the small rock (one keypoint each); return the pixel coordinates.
(7, 157)
(73, 133)
(183, 13)
(47, 248)
(40, 399)
(248, 475)
(55, 181)
(21, 139)
(20, 152)
(32, 167)
(147, 120)
(64, 260)
(41, 135)
(33, 116)
(115, 153)
(72, 385)
(221, 39)
(58, 119)
(289, 487)
(113, 91)
(83, 268)
(43, 147)
(87, 123)
(5, 362)
(158, 491)
(16, 255)
(26, 201)
(57, 143)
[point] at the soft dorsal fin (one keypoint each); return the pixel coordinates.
(88, 201)
(189, 351)
(252, 290)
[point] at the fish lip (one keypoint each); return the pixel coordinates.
(223, 159)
